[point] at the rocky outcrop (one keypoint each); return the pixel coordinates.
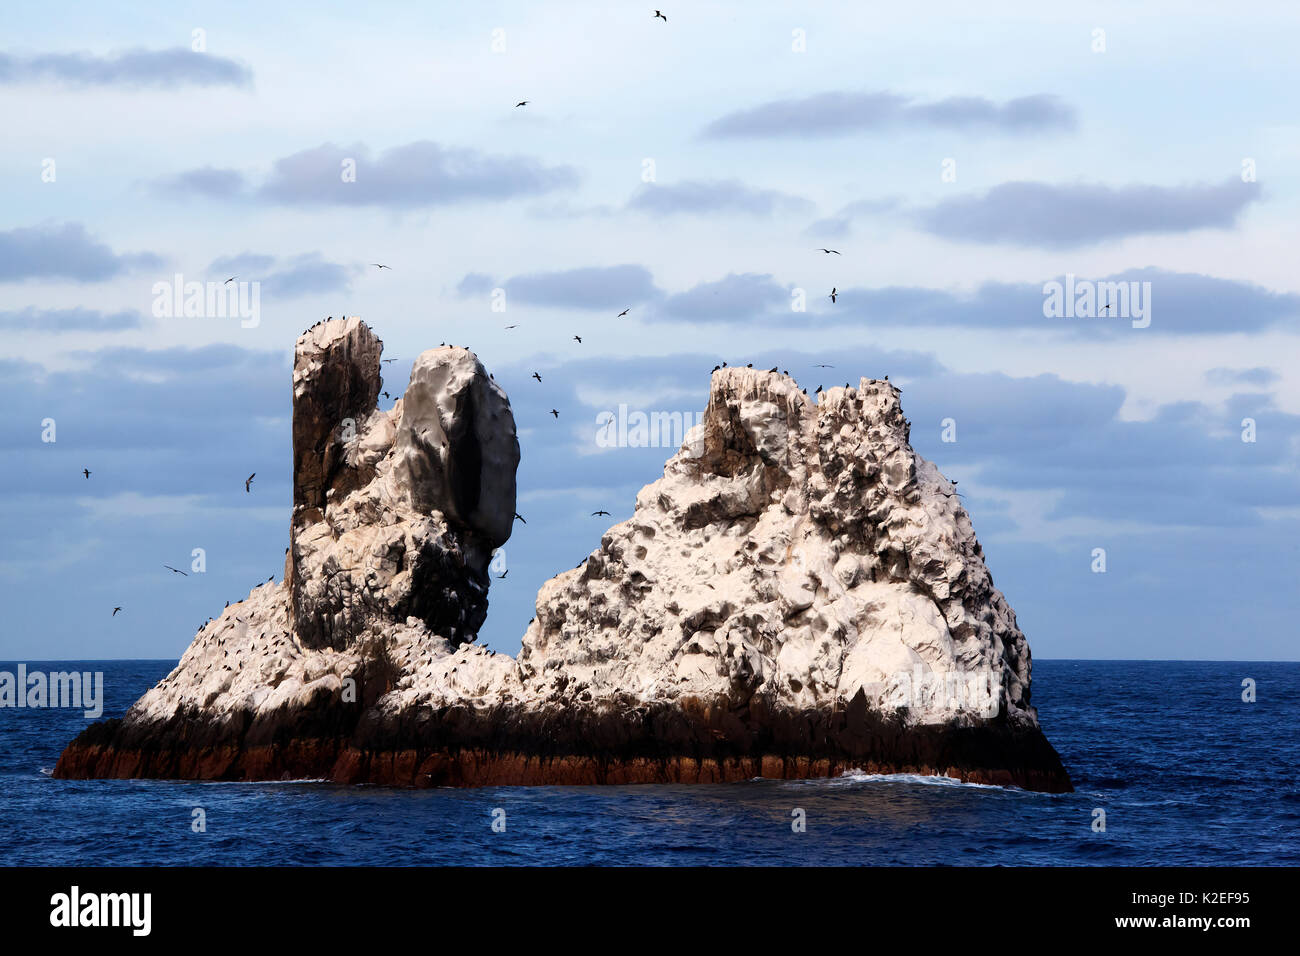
(800, 594)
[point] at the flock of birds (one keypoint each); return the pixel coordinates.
(833, 296)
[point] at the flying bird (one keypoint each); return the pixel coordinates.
(660, 16)
(537, 376)
(601, 512)
(379, 265)
(555, 413)
(175, 570)
(833, 293)
(248, 481)
(511, 327)
(115, 610)
(521, 103)
(230, 280)
(829, 251)
(502, 575)
(86, 472)
(385, 394)
(519, 517)
(578, 339)
(389, 360)
(823, 366)
(623, 313)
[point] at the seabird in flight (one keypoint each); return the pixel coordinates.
(248, 481)
(174, 570)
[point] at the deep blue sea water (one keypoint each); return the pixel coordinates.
(1186, 773)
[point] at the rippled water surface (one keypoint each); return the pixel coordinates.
(1186, 772)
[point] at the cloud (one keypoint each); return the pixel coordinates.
(1180, 303)
(1040, 214)
(244, 262)
(306, 274)
(1241, 376)
(475, 283)
(834, 227)
(209, 182)
(841, 113)
(64, 252)
(735, 297)
(32, 319)
(421, 173)
(134, 68)
(598, 287)
(700, 197)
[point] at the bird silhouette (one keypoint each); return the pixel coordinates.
(249, 481)
(175, 570)
(660, 16)
(537, 376)
(502, 575)
(555, 413)
(115, 610)
(823, 366)
(623, 313)
(508, 327)
(230, 280)
(380, 265)
(601, 512)
(385, 394)
(521, 103)
(389, 360)
(578, 339)
(519, 517)
(829, 251)
(833, 294)
(86, 472)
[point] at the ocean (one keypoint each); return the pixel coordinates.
(1184, 770)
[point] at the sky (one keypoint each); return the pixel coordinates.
(959, 160)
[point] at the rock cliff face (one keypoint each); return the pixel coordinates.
(800, 594)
